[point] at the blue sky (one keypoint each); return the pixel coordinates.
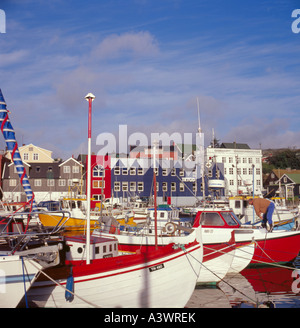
(147, 61)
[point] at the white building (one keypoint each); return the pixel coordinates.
(242, 167)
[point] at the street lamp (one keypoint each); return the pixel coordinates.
(89, 97)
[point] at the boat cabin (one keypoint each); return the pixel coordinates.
(100, 247)
(216, 219)
(165, 213)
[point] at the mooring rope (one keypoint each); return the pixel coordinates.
(60, 285)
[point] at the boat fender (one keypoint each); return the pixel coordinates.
(69, 294)
(170, 227)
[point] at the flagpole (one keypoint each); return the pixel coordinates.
(89, 97)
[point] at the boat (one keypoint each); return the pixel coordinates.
(77, 207)
(281, 246)
(139, 280)
(283, 218)
(23, 256)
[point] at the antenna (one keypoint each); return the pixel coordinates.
(199, 126)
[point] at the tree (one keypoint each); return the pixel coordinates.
(285, 159)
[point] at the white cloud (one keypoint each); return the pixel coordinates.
(134, 44)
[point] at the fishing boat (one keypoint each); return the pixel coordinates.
(111, 280)
(50, 214)
(283, 218)
(77, 208)
(270, 247)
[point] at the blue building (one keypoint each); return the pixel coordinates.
(178, 182)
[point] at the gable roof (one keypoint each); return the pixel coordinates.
(234, 145)
(294, 177)
(69, 159)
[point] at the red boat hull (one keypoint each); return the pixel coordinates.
(277, 250)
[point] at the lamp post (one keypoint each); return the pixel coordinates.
(89, 97)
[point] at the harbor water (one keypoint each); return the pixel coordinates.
(257, 287)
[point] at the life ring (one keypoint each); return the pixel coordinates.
(170, 227)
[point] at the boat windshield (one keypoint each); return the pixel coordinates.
(231, 218)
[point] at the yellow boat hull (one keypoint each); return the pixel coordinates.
(51, 220)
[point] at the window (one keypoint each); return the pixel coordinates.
(257, 160)
(98, 171)
(37, 182)
(98, 184)
(181, 187)
(244, 160)
(117, 170)
(194, 187)
(35, 157)
(61, 182)
(257, 171)
(211, 219)
(75, 169)
(132, 186)
(164, 186)
(124, 171)
(250, 160)
(223, 159)
(231, 170)
(140, 171)
(38, 169)
(173, 186)
(244, 170)
(231, 182)
(250, 170)
(125, 186)
(140, 186)
(173, 172)
(50, 182)
(132, 171)
(12, 182)
(230, 160)
(181, 173)
(156, 171)
(66, 169)
(164, 172)
(26, 156)
(117, 186)
(70, 182)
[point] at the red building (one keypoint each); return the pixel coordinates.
(101, 178)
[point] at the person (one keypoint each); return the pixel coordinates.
(264, 209)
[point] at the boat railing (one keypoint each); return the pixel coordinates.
(12, 224)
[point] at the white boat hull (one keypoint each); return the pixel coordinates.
(165, 282)
(16, 276)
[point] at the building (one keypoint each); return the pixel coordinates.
(34, 154)
(48, 180)
(283, 182)
(177, 182)
(242, 167)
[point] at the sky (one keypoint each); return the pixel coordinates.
(147, 62)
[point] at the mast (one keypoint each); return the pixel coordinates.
(155, 192)
(200, 150)
(89, 97)
(12, 145)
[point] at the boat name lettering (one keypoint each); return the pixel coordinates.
(107, 255)
(208, 230)
(156, 267)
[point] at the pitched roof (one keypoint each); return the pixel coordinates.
(234, 145)
(295, 177)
